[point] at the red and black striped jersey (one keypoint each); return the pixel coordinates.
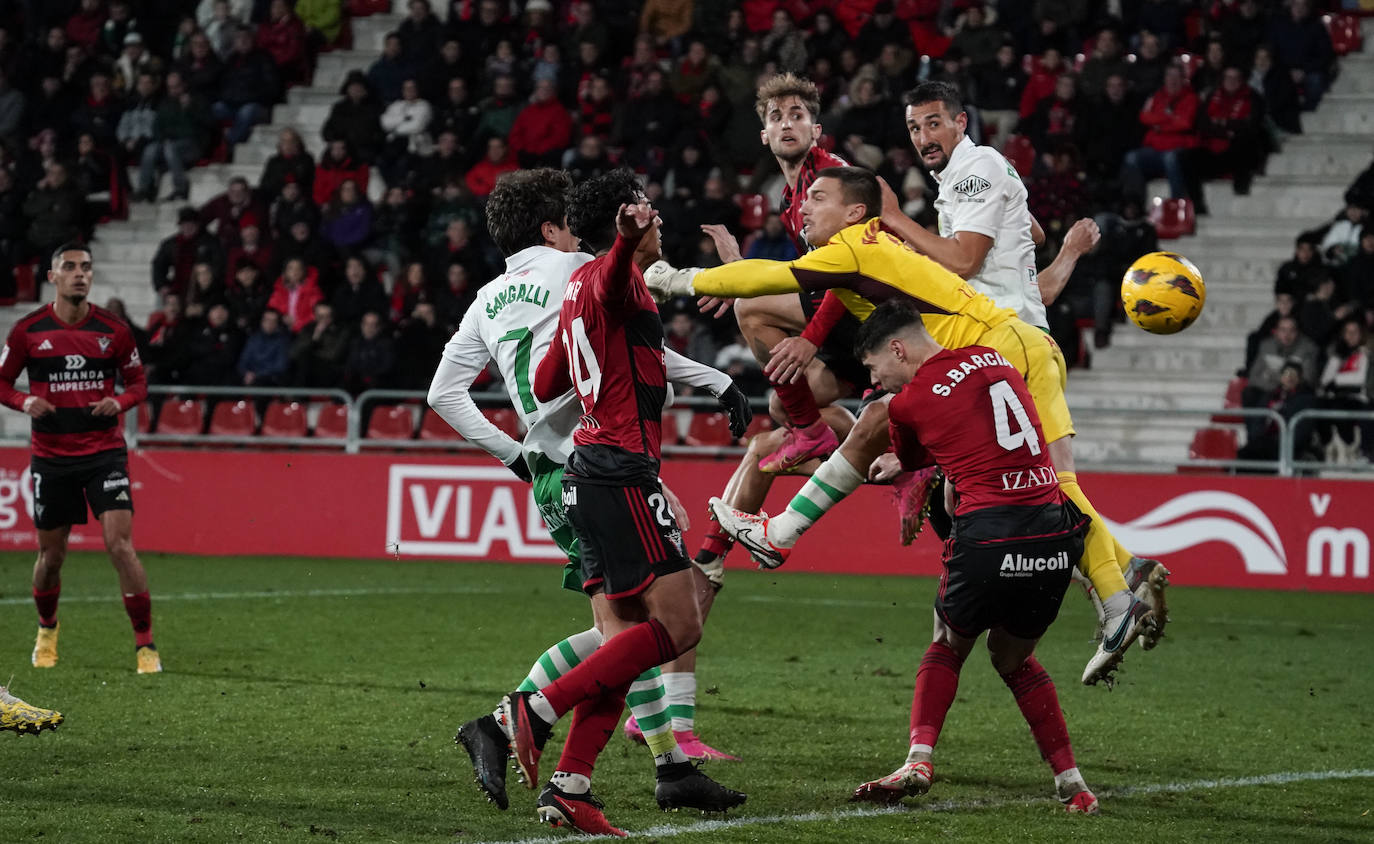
(793, 195)
(72, 367)
(609, 349)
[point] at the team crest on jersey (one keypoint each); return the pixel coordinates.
(972, 186)
(104, 343)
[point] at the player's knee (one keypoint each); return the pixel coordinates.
(121, 549)
(775, 408)
(684, 628)
(1007, 663)
(52, 556)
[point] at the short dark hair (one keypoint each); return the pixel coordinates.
(70, 246)
(522, 203)
(858, 187)
(594, 204)
(929, 92)
(887, 320)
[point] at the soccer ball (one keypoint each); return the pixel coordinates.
(1163, 292)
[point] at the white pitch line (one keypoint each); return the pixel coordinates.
(672, 831)
(281, 593)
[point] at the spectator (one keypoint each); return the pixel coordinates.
(1243, 31)
(222, 215)
(456, 113)
(1284, 345)
(296, 294)
(455, 297)
(1284, 306)
(323, 22)
(1146, 73)
(1299, 275)
(360, 293)
(457, 247)
(1106, 61)
(83, 28)
(386, 75)
(686, 336)
(881, 29)
(98, 178)
(251, 246)
(596, 108)
(406, 123)
(1112, 128)
(665, 20)
(291, 162)
(1359, 272)
(282, 36)
(1169, 117)
(1044, 75)
(420, 33)
(1207, 78)
(116, 28)
(1344, 385)
(1289, 396)
(1094, 289)
(1232, 137)
(371, 357)
(14, 247)
(481, 179)
(649, 125)
(338, 165)
(479, 37)
(12, 104)
(33, 165)
(419, 344)
(289, 208)
(772, 242)
(246, 295)
(138, 124)
(55, 210)
(220, 20)
(319, 350)
(248, 88)
(203, 291)
(686, 178)
(410, 289)
(1057, 197)
(303, 243)
(395, 230)
(1000, 86)
(542, 130)
(1058, 119)
(1279, 94)
(1342, 239)
(183, 123)
(133, 60)
(498, 111)
(444, 164)
(202, 68)
(99, 113)
(50, 109)
(168, 352)
(115, 305)
(975, 38)
(178, 254)
(347, 218)
(502, 62)
(785, 44)
(868, 120)
(589, 160)
(215, 345)
(1302, 44)
(267, 354)
(1321, 311)
(1361, 191)
(356, 119)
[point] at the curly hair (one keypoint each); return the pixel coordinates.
(788, 85)
(522, 202)
(593, 206)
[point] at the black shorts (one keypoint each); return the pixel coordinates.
(1008, 567)
(837, 352)
(62, 487)
(627, 535)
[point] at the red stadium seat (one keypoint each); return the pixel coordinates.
(709, 429)
(144, 416)
(233, 419)
(1234, 390)
(1213, 444)
(181, 416)
(333, 422)
(26, 288)
(753, 210)
(506, 419)
(434, 428)
(285, 419)
(1172, 217)
(391, 422)
(1345, 33)
(1021, 153)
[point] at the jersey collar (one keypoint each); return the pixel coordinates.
(529, 255)
(960, 149)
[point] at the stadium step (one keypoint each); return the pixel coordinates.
(1344, 113)
(1322, 155)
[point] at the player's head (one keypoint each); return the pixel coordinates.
(594, 204)
(936, 121)
(71, 272)
(893, 343)
(839, 198)
(789, 107)
(530, 208)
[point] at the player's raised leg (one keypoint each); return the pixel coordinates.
(20, 717)
(47, 587)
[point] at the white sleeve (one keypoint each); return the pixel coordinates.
(978, 200)
(684, 370)
(464, 358)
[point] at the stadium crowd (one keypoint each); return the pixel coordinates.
(300, 279)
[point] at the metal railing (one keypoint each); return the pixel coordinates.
(136, 438)
(1305, 421)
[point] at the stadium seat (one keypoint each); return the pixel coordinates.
(668, 425)
(762, 423)
(333, 422)
(753, 210)
(233, 419)
(1234, 390)
(434, 428)
(1345, 33)
(1213, 444)
(1021, 153)
(1172, 218)
(506, 419)
(709, 429)
(144, 418)
(391, 422)
(26, 288)
(284, 419)
(181, 416)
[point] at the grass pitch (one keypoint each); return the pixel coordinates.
(309, 700)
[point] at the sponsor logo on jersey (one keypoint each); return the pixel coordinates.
(76, 361)
(1029, 478)
(972, 186)
(1014, 565)
(45, 346)
(115, 483)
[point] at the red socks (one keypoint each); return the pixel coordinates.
(612, 666)
(798, 403)
(717, 544)
(1034, 692)
(46, 601)
(140, 610)
(937, 680)
(594, 722)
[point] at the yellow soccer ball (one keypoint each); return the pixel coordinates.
(1163, 292)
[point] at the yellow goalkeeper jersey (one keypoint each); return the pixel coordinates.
(867, 266)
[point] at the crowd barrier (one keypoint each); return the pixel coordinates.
(1214, 530)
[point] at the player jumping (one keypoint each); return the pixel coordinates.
(1016, 536)
(74, 352)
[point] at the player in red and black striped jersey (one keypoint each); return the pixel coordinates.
(75, 354)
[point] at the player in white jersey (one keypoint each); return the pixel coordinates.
(512, 321)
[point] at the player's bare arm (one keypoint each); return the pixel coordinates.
(1080, 239)
(962, 253)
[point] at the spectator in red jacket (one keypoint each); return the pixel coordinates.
(222, 215)
(83, 28)
(542, 130)
(1233, 137)
(481, 179)
(282, 35)
(1169, 117)
(252, 248)
(338, 165)
(1041, 83)
(296, 294)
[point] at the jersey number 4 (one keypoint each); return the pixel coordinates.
(581, 356)
(1007, 407)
